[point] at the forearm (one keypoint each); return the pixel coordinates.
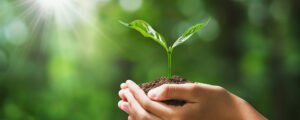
(246, 111)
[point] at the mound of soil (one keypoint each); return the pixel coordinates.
(164, 80)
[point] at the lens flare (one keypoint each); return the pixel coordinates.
(65, 13)
(54, 25)
(61, 27)
(49, 5)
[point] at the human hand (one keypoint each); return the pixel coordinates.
(203, 102)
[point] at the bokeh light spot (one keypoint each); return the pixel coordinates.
(130, 5)
(211, 31)
(16, 32)
(257, 13)
(190, 7)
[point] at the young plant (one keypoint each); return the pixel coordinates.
(145, 29)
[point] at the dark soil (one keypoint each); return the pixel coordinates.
(164, 80)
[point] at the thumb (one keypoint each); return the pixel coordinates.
(188, 92)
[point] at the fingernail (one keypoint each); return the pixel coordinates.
(126, 107)
(121, 94)
(122, 85)
(119, 104)
(152, 94)
(128, 81)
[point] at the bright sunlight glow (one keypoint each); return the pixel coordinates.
(50, 5)
(58, 20)
(66, 13)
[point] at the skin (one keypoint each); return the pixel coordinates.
(204, 101)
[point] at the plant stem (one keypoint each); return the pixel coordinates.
(169, 62)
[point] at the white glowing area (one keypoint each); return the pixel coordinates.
(49, 5)
(63, 13)
(56, 24)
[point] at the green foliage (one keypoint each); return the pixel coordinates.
(188, 33)
(145, 29)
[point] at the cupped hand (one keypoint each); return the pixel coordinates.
(203, 101)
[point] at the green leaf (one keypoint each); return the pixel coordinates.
(145, 29)
(187, 34)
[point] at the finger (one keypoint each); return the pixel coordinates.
(123, 86)
(156, 108)
(188, 92)
(136, 110)
(122, 96)
(124, 106)
(130, 118)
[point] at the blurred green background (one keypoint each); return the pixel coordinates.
(65, 59)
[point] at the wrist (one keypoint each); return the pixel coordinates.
(246, 111)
